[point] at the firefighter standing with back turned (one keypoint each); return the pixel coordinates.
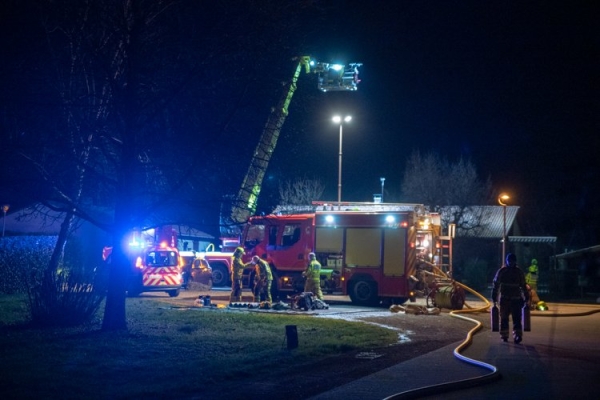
(237, 273)
(509, 283)
(312, 276)
(262, 280)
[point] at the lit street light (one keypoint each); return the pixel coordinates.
(338, 120)
(382, 181)
(502, 201)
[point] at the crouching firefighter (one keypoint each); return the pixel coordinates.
(509, 285)
(262, 280)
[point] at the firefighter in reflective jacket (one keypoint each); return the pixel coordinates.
(237, 273)
(262, 280)
(312, 276)
(509, 283)
(531, 279)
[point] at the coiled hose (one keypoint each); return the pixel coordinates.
(465, 383)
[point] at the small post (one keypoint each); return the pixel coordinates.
(291, 334)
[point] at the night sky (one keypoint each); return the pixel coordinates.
(510, 85)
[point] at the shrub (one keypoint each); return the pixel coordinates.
(69, 296)
(22, 259)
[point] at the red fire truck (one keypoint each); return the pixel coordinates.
(369, 251)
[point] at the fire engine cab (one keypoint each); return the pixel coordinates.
(369, 252)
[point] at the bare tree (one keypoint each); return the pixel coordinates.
(452, 189)
(301, 191)
(114, 89)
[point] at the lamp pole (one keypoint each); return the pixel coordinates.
(502, 201)
(338, 120)
(4, 210)
(382, 181)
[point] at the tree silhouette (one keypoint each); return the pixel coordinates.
(452, 189)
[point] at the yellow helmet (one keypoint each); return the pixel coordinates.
(239, 251)
(540, 305)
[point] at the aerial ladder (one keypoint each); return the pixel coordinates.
(331, 77)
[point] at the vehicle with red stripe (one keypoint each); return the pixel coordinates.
(156, 265)
(368, 251)
(156, 269)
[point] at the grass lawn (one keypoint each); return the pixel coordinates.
(165, 352)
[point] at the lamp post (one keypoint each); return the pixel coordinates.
(502, 201)
(338, 120)
(382, 181)
(4, 210)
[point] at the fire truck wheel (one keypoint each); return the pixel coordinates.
(364, 293)
(173, 293)
(220, 276)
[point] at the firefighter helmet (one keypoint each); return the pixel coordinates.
(510, 258)
(312, 256)
(540, 305)
(239, 251)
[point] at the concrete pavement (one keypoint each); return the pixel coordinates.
(558, 359)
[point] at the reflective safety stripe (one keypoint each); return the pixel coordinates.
(162, 276)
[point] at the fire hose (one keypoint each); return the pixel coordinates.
(493, 375)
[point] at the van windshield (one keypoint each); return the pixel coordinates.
(161, 258)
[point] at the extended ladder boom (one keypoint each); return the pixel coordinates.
(332, 77)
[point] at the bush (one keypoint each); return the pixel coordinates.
(69, 296)
(22, 260)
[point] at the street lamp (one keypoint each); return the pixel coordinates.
(382, 181)
(4, 210)
(502, 201)
(338, 120)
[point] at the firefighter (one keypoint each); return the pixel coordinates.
(262, 280)
(237, 272)
(509, 283)
(312, 276)
(531, 279)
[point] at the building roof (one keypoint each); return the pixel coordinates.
(35, 220)
(479, 221)
(532, 239)
(580, 252)
(184, 231)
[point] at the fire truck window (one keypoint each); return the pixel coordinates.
(254, 235)
(272, 236)
(291, 234)
(363, 247)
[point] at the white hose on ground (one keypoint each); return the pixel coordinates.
(465, 383)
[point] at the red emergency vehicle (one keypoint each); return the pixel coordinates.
(369, 252)
(155, 262)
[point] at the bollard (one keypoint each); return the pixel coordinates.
(291, 334)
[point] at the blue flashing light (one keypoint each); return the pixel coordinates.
(329, 219)
(390, 219)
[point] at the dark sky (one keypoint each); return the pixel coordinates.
(512, 86)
